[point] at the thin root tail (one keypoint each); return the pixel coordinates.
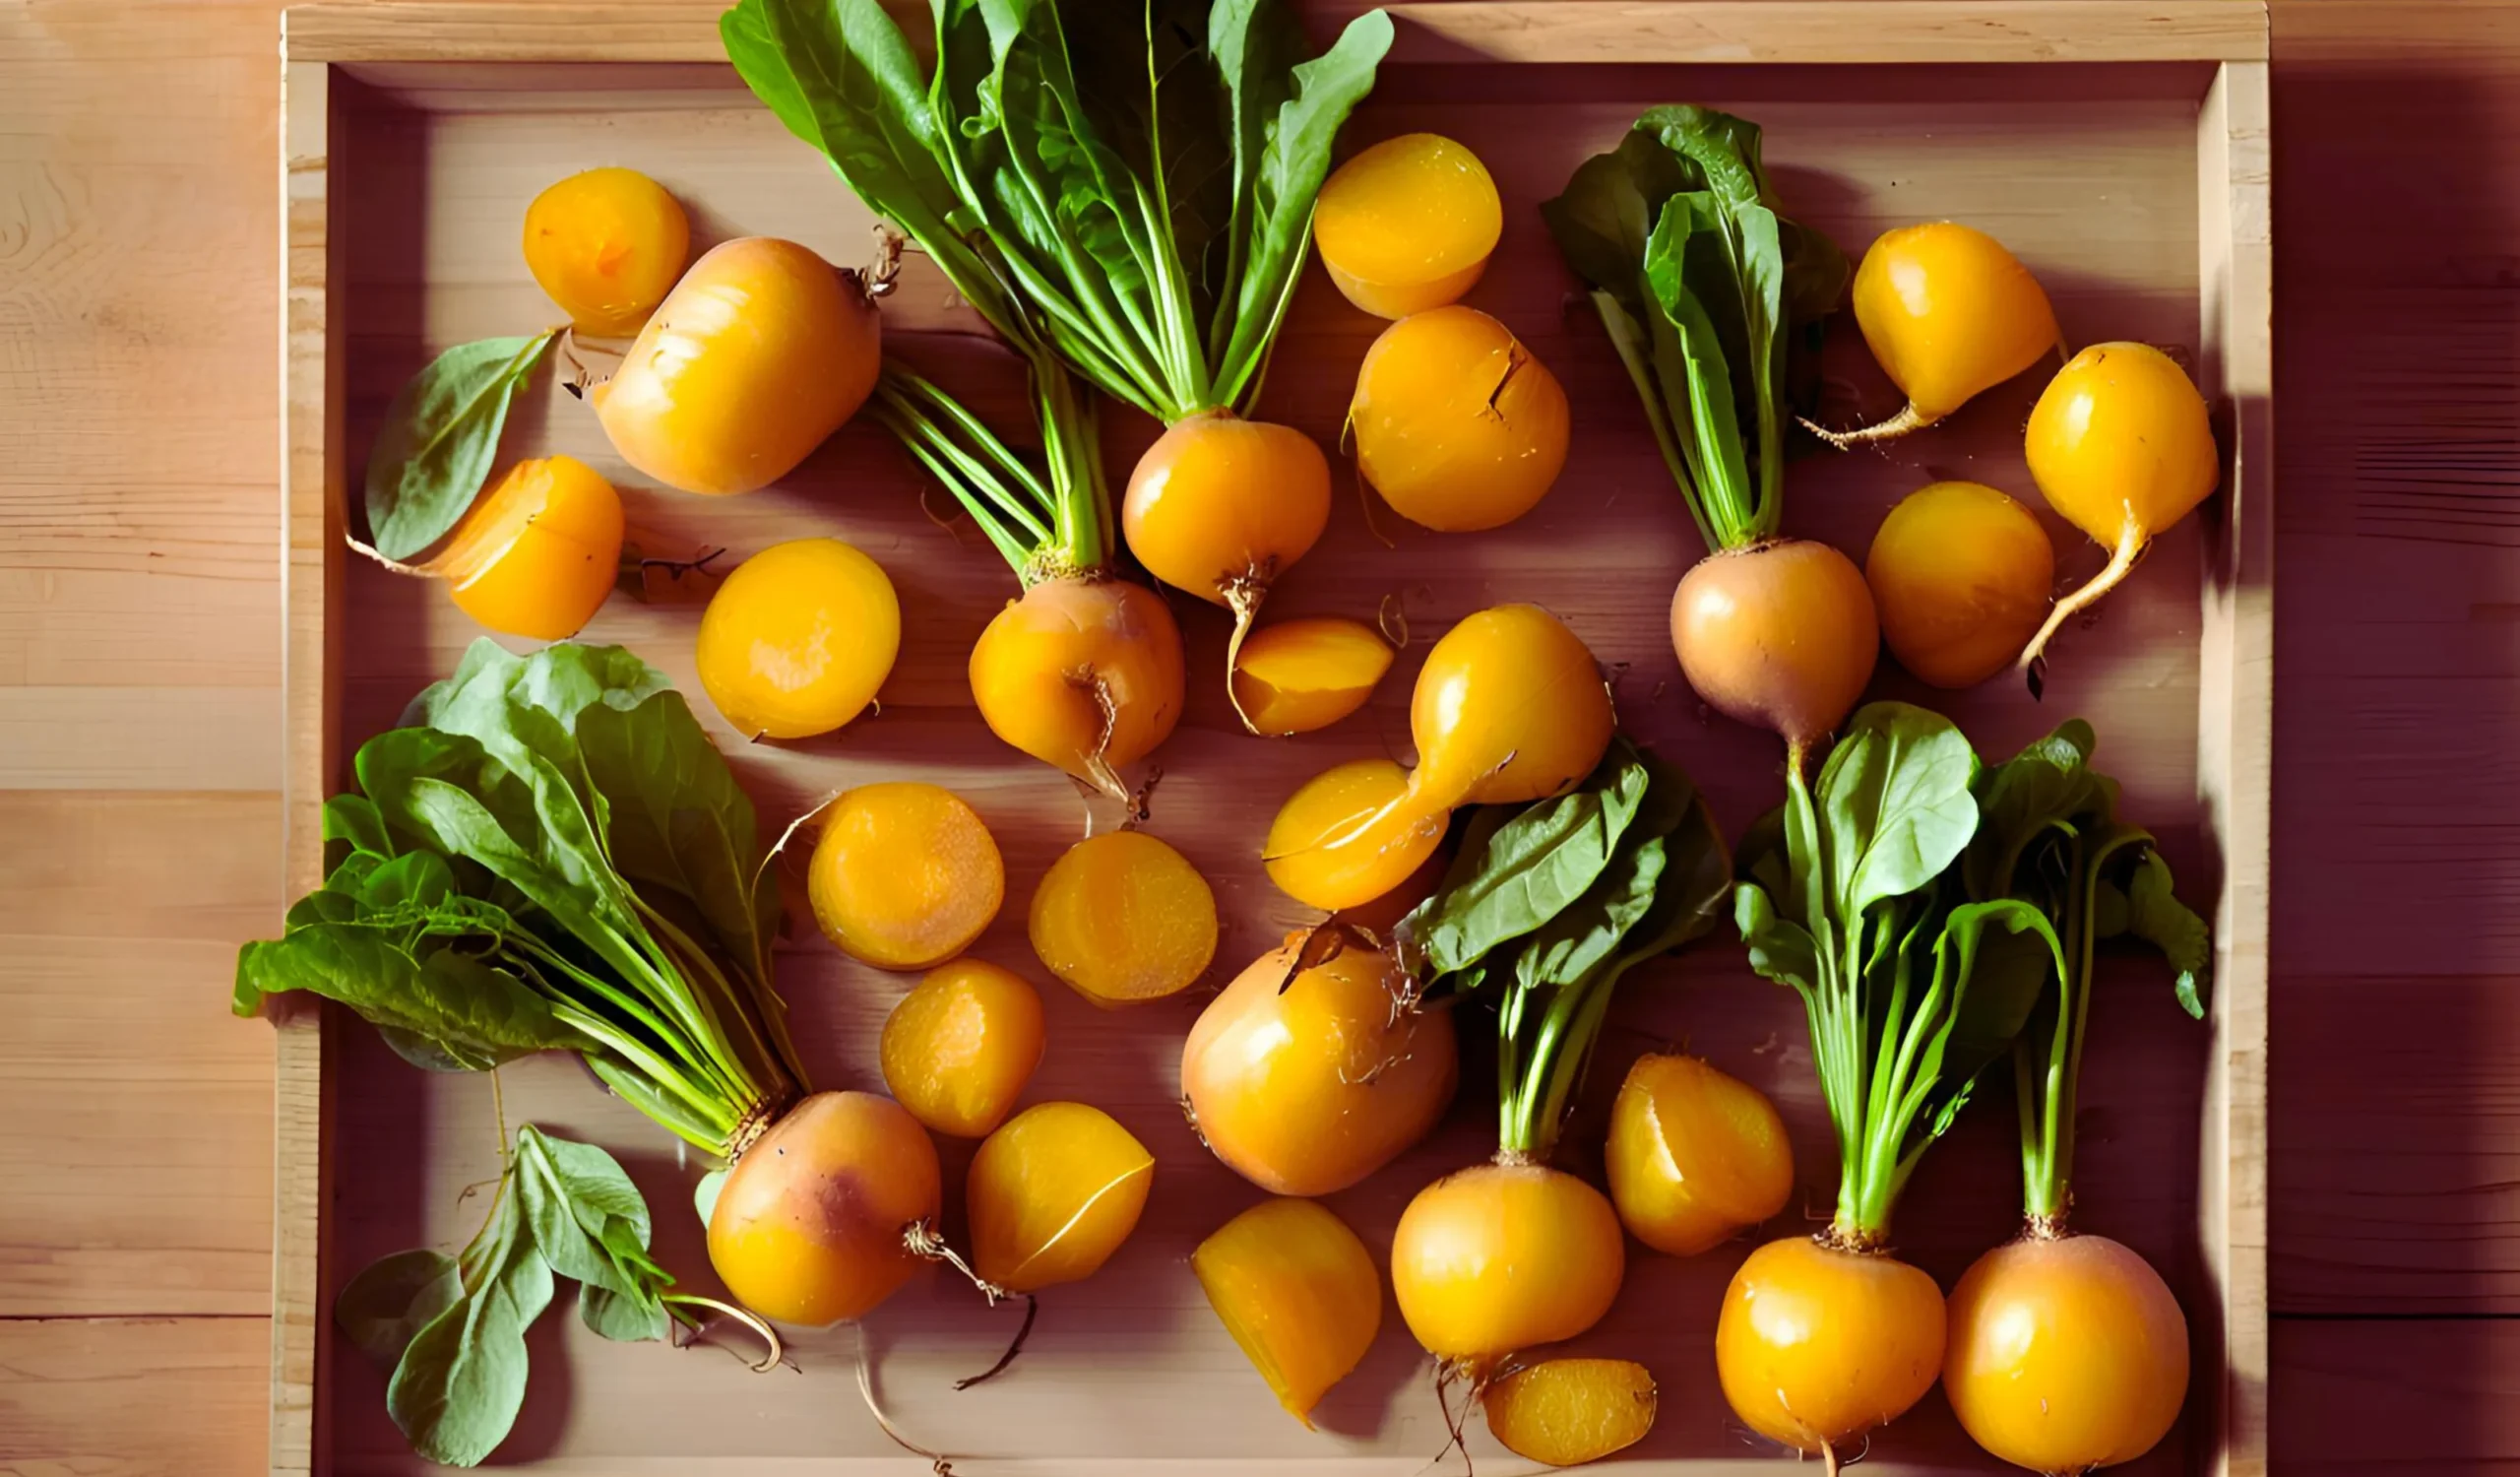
(1908, 419)
(1243, 594)
(2131, 545)
(1032, 1310)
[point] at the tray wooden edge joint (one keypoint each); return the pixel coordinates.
(2234, 759)
(312, 513)
(1430, 32)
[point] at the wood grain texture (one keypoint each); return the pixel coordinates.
(139, 459)
(130, 1397)
(2396, 1131)
(314, 488)
(2236, 360)
(1718, 32)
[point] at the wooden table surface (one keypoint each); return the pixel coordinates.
(140, 644)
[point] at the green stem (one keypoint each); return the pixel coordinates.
(647, 1094)
(537, 958)
(1626, 337)
(712, 1110)
(1040, 523)
(759, 1067)
(1012, 486)
(2026, 1100)
(1080, 500)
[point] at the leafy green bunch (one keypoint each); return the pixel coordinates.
(2050, 835)
(1555, 902)
(1122, 191)
(1850, 896)
(452, 1328)
(1702, 284)
(1935, 916)
(1129, 185)
(549, 855)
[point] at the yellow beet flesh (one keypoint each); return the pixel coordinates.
(807, 1228)
(905, 875)
(1959, 575)
(1780, 637)
(607, 245)
(1330, 807)
(2122, 447)
(1306, 1087)
(1509, 707)
(1455, 424)
(1694, 1155)
(1566, 1412)
(1052, 1194)
(1084, 674)
(799, 640)
(1502, 1257)
(1218, 498)
(759, 353)
(960, 1047)
(1948, 313)
(2066, 1354)
(1407, 224)
(1295, 676)
(1299, 1294)
(1122, 917)
(538, 555)
(1816, 1345)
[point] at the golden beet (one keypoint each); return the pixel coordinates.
(1306, 1086)
(905, 875)
(1298, 1291)
(1407, 224)
(959, 1047)
(1694, 1155)
(1122, 917)
(799, 640)
(1566, 1412)
(537, 556)
(1052, 1194)
(808, 1226)
(608, 245)
(759, 353)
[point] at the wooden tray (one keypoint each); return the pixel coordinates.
(2121, 149)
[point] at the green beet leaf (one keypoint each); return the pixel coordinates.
(455, 1392)
(453, 1328)
(1533, 865)
(1707, 292)
(2051, 841)
(440, 439)
(1851, 896)
(393, 1298)
(1127, 189)
(1895, 796)
(475, 1015)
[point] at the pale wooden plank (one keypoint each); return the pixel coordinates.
(117, 738)
(129, 1397)
(2235, 731)
(1453, 30)
(125, 1068)
(150, 866)
(73, 623)
(130, 319)
(313, 497)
